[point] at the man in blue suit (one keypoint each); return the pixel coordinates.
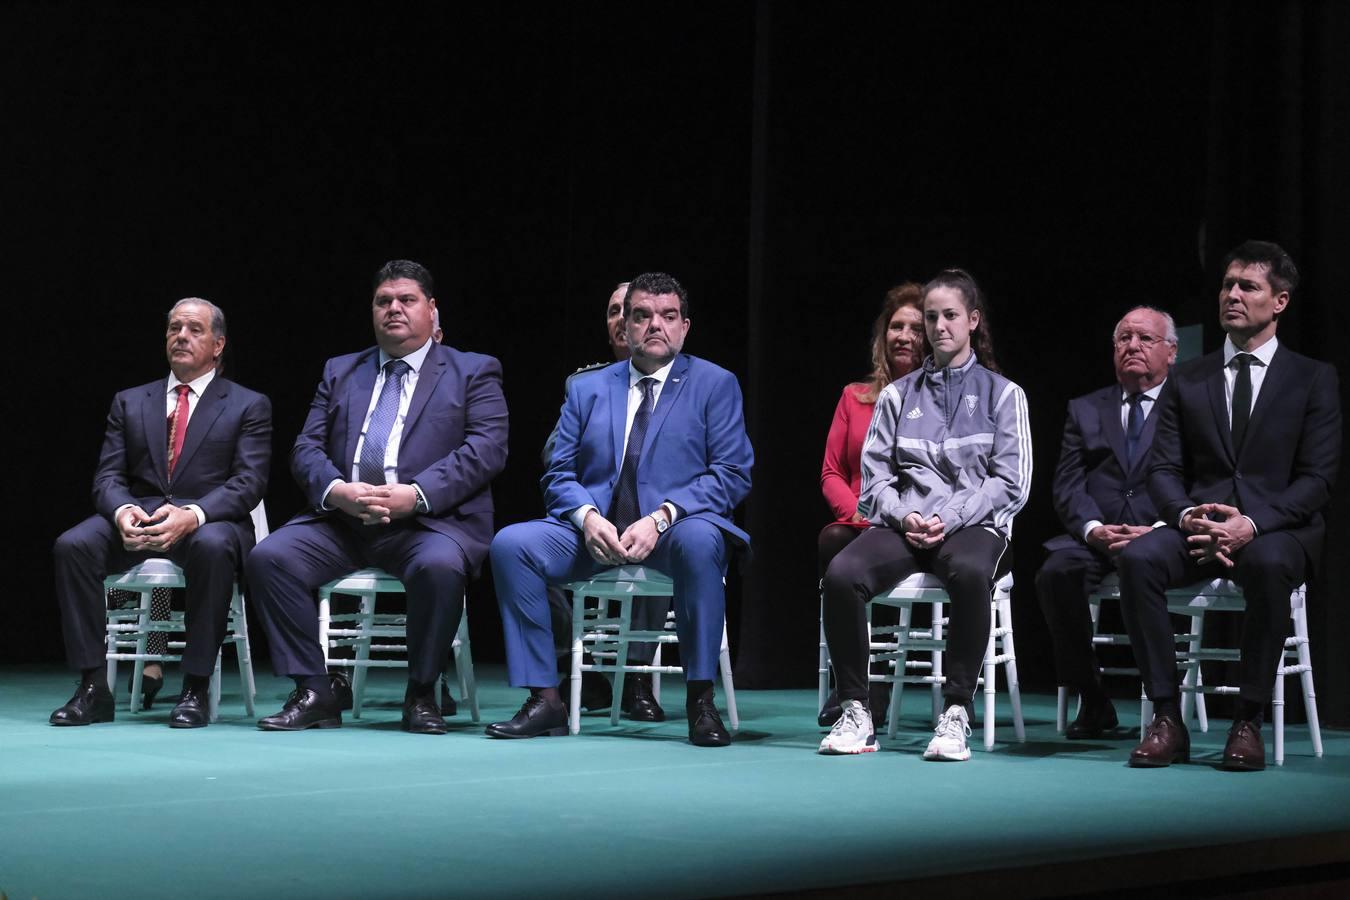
(396, 457)
(651, 459)
(1101, 495)
(184, 462)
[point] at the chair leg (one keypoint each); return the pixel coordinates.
(574, 684)
(724, 662)
(142, 638)
(1010, 668)
(360, 671)
(621, 656)
(468, 686)
(213, 692)
(990, 686)
(822, 661)
(656, 661)
(937, 671)
(242, 652)
(898, 670)
(1061, 709)
(1300, 617)
(1277, 710)
(1145, 712)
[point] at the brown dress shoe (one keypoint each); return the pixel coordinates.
(1165, 741)
(1245, 751)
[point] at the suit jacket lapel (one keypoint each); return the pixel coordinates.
(1218, 404)
(1115, 435)
(618, 411)
(359, 388)
(670, 393)
(209, 407)
(156, 423)
(432, 369)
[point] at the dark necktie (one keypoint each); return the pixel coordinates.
(371, 469)
(178, 422)
(1134, 427)
(1242, 399)
(623, 509)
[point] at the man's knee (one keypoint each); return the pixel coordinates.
(81, 541)
(1273, 561)
(266, 557)
(444, 569)
(213, 540)
(509, 545)
(697, 541)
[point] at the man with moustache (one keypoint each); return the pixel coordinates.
(1101, 495)
(650, 461)
(184, 462)
(396, 457)
(1246, 450)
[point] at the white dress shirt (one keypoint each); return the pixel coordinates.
(635, 376)
(414, 361)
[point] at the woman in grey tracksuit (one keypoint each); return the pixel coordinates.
(946, 465)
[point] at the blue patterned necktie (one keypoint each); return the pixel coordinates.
(1134, 428)
(623, 509)
(371, 468)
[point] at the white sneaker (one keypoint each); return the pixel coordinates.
(949, 738)
(853, 733)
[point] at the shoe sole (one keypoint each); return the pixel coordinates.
(1156, 764)
(1233, 766)
(946, 757)
(433, 730)
(323, 723)
(187, 725)
(548, 732)
(837, 751)
(66, 723)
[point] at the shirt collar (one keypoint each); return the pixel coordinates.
(1264, 353)
(1152, 393)
(196, 385)
(413, 359)
(635, 375)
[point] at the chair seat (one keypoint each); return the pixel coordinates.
(148, 573)
(363, 580)
(639, 581)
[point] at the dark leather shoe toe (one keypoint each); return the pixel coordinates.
(1244, 751)
(639, 703)
(420, 716)
(448, 705)
(536, 718)
(190, 711)
(1165, 741)
(342, 689)
(1092, 721)
(705, 725)
(91, 703)
(303, 709)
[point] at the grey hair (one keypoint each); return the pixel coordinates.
(217, 314)
(1171, 334)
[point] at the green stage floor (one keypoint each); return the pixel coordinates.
(134, 809)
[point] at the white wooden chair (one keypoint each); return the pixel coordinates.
(894, 644)
(606, 636)
(360, 630)
(1222, 595)
(129, 628)
(1109, 589)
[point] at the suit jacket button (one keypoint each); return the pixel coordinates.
(1237, 475)
(1129, 493)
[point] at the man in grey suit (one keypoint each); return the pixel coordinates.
(1101, 495)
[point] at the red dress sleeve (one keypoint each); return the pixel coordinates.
(841, 470)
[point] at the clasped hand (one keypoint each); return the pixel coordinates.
(158, 533)
(923, 533)
(606, 545)
(1111, 539)
(374, 504)
(1217, 532)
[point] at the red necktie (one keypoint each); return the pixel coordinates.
(178, 420)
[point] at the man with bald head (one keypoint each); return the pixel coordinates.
(1101, 495)
(184, 462)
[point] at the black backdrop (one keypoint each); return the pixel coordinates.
(787, 162)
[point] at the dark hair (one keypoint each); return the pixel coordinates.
(1280, 269)
(405, 268)
(962, 281)
(908, 294)
(656, 283)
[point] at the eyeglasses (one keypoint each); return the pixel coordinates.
(1147, 341)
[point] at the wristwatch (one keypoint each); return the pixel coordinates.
(661, 523)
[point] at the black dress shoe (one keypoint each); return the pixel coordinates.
(149, 688)
(1245, 751)
(705, 724)
(190, 711)
(92, 703)
(1092, 721)
(448, 705)
(342, 689)
(537, 717)
(831, 711)
(639, 703)
(303, 709)
(596, 691)
(420, 716)
(1165, 741)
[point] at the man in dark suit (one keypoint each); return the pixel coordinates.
(1245, 453)
(650, 461)
(396, 457)
(184, 462)
(1102, 499)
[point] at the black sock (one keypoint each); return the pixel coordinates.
(95, 676)
(1167, 706)
(1252, 712)
(196, 683)
(698, 690)
(419, 691)
(550, 695)
(1093, 696)
(319, 684)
